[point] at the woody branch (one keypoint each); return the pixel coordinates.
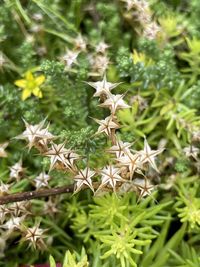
(17, 197)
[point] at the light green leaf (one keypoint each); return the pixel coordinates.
(52, 261)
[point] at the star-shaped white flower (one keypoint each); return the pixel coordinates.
(46, 137)
(50, 207)
(191, 151)
(17, 171)
(103, 87)
(42, 180)
(110, 175)
(120, 148)
(106, 125)
(4, 188)
(32, 132)
(70, 58)
(114, 102)
(70, 158)
(13, 223)
(57, 154)
(35, 134)
(19, 208)
(196, 136)
(80, 43)
(3, 153)
(148, 155)
(99, 63)
(144, 186)
(3, 211)
(35, 236)
(84, 178)
(102, 47)
(132, 161)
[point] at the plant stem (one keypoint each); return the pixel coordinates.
(23, 196)
(16, 197)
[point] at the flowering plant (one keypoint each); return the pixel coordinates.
(100, 131)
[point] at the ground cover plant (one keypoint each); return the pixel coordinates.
(99, 133)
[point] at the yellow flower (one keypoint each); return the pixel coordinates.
(30, 85)
(142, 58)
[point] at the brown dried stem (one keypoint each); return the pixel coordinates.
(23, 196)
(16, 197)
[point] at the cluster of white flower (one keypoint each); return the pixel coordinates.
(126, 169)
(17, 172)
(140, 11)
(70, 56)
(36, 135)
(60, 157)
(128, 161)
(12, 218)
(98, 59)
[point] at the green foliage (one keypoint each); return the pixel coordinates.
(188, 205)
(189, 256)
(70, 260)
(192, 58)
(159, 74)
(119, 227)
